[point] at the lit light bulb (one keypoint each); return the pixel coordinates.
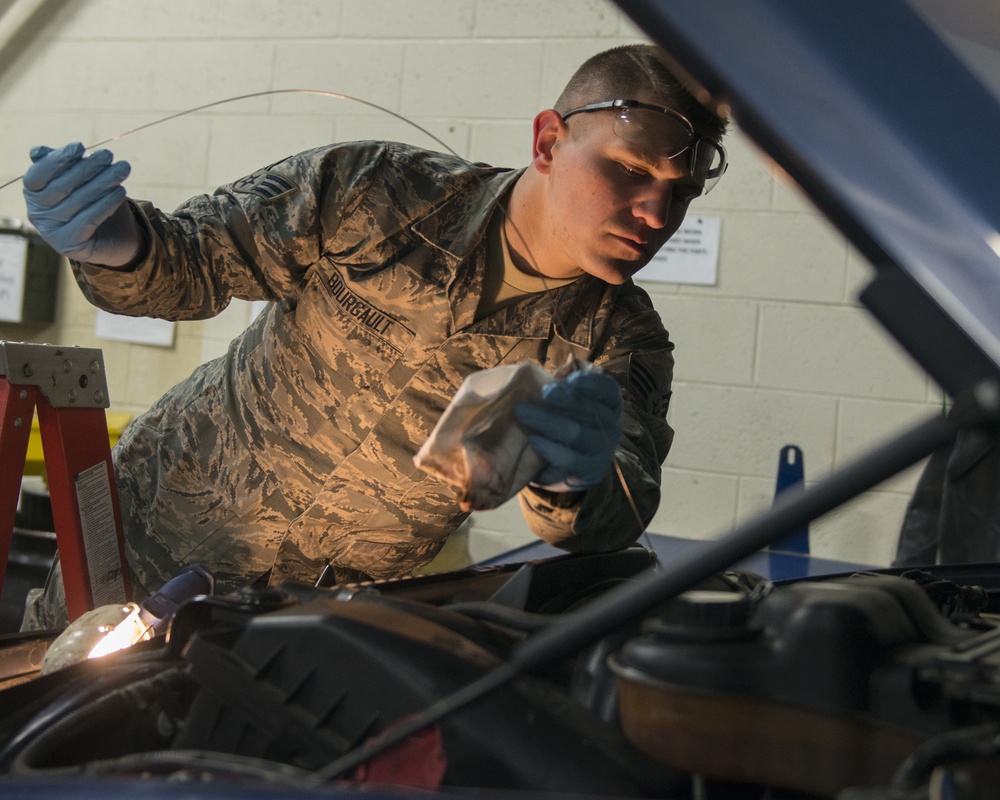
(131, 630)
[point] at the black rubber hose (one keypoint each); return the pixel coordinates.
(51, 732)
(979, 743)
(85, 689)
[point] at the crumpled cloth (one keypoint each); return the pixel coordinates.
(478, 446)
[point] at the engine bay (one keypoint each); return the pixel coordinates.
(739, 687)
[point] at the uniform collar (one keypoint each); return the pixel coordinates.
(458, 224)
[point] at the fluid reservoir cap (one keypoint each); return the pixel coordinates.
(702, 614)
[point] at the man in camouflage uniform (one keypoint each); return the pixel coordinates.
(394, 273)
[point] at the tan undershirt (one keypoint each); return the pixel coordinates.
(505, 283)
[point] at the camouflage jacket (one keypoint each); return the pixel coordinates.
(295, 449)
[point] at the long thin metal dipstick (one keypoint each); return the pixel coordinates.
(215, 103)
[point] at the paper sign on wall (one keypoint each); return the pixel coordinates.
(691, 255)
(13, 264)
(138, 330)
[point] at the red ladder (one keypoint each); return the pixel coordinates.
(68, 389)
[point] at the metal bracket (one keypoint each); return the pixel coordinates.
(68, 377)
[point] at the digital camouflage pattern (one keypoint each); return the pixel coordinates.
(295, 449)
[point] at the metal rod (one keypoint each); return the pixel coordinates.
(792, 509)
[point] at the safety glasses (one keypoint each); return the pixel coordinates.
(664, 133)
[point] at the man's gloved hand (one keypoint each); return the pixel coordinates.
(575, 428)
(77, 203)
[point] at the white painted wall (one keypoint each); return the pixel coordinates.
(776, 353)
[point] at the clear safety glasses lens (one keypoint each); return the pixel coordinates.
(664, 134)
(708, 163)
(659, 133)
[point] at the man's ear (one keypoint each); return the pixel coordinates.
(547, 130)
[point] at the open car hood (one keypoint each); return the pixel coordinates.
(888, 131)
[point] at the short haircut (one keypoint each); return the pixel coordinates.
(622, 71)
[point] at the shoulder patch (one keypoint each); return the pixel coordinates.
(265, 184)
(654, 398)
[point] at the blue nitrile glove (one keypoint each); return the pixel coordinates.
(77, 203)
(575, 428)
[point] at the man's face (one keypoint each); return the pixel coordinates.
(612, 202)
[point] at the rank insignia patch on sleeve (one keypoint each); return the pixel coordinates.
(653, 398)
(265, 184)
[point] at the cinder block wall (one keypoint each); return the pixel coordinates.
(776, 353)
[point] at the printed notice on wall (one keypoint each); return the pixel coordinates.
(691, 255)
(138, 330)
(13, 266)
(100, 536)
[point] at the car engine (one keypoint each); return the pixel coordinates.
(868, 685)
